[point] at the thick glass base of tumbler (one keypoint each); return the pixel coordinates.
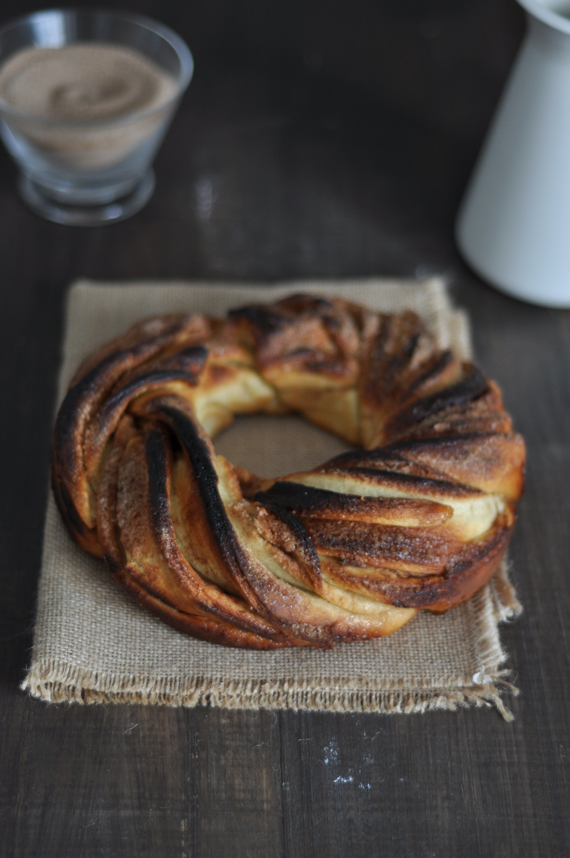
(86, 215)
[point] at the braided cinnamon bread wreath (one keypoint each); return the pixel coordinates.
(418, 517)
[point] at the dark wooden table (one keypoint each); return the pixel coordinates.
(331, 139)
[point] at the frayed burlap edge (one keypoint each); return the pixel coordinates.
(259, 695)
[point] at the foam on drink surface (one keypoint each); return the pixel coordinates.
(79, 100)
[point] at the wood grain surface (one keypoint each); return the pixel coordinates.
(317, 139)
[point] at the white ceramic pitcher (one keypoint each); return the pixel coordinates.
(513, 226)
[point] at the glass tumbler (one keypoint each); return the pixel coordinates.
(87, 172)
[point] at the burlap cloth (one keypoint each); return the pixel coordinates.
(93, 645)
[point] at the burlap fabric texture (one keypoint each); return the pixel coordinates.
(94, 645)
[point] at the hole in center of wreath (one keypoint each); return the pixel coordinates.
(272, 446)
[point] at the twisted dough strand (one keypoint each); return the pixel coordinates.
(418, 518)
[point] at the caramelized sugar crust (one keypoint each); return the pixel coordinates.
(418, 517)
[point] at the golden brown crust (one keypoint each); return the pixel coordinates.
(419, 518)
